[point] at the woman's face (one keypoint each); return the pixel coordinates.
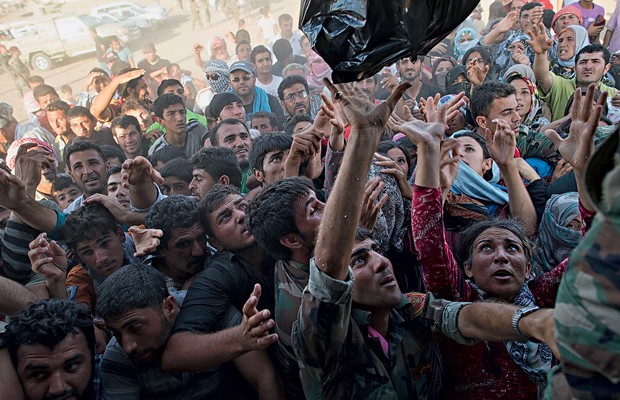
(566, 45)
(444, 66)
(470, 152)
(517, 47)
(305, 46)
(524, 97)
(466, 37)
(399, 158)
(498, 264)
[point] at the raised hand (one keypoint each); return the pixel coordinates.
(256, 324)
(501, 144)
(49, 260)
(448, 164)
(139, 171)
(12, 191)
(370, 205)
(477, 73)
(540, 42)
(391, 168)
(130, 75)
(146, 240)
(508, 21)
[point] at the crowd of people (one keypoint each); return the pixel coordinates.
(445, 229)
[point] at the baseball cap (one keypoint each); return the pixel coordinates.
(243, 66)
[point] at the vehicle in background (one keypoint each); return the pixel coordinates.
(155, 14)
(45, 40)
(127, 17)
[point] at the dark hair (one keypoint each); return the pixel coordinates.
(290, 81)
(165, 101)
(179, 167)
(123, 121)
(271, 215)
(273, 119)
(119, 293)
(484, 54)
(362, 233)
(240, 42)
(62, 182)
(469, 236)
(88, 222)
(100, 70)
(212, 200)
(118, 66)
(173, 212)
(48, 322)
(257, 50)
(282, 49)
(217, 162)
(387, 145)
(529, 6)
(132, 105)
(266, 143)
(484, 95)
(215, 141)
(593, 48)
(35, 79)
(165, 154)
(488, 175)
(58, 105)
(43, 90)
(110, 152)
(547, 18)
(297, 118)
(80, 111)
(243, 34)
(81, 145)
(122, 89)
(165, 84)
(114, 169)
(284, 18)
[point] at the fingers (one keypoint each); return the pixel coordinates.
(249, 308)
(396, 95)
(554, 137)
(23, 149)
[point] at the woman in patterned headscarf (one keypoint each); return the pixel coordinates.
(571, 40)
(512, 51)
(529, 107)
(465, 39)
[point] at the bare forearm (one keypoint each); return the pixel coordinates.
(336, 141)
(9, 381)
(257, 369)
(581, 189)
(37, 216)
(519, 201)
(541, 72)
(142, 196)
(13, 296)
(101, 101)
(427, 168)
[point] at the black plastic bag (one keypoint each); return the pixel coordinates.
(359, 37)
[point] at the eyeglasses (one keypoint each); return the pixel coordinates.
(213, 77)
(301, 94)
(245, 78)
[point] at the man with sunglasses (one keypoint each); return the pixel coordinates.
(242, 77)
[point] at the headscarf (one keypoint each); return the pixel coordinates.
(581, 41)
(534, 116)
(222, 84)
(439, 80)
(503, 58)
(456, 88)
(567, 10)
(461, 48)
(317, 70)
(555, 241)
(12, 151)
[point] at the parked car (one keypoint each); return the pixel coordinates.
(44, 41)
(156, 14)
(128, 17)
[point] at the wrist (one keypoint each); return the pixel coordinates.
(520, 324)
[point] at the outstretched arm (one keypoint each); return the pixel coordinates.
(541, 43)
(100, 103)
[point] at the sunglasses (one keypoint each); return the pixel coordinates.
(213, 77)
(245, 78)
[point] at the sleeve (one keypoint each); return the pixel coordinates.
(333, 159)
(442, 275)
(60, 221)
(538, 193)
(118, 377)
(534, 144)
(445, 315)
(15, 246)
(80, 287)
(322, 323)
(160, 197)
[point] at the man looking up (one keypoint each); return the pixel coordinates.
(88, 169)
(43, 95)
(234, 134)
(262, 62)
(83, 124)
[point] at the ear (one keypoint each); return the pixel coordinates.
(528, 270)
(481, 121)
(291, 241)
(158, 120)
(224, 180)
(468, 271)
(120, 233)
(487, 164)
(258, 175)
(607, 68)
(169, 307)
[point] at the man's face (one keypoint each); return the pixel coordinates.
(82, 126)
(144, 117)
(66, 196)
(116, 45)
(525, 20)
(143, 332)
(117, 191)
(176, 89)
(58, 121)
(408, 70)
(590, 68)
(565, 20)
(60, 373)
(262, 124)
(296, 100)
(151, 56)
(308, 214)
(273, 167)
(43, 101)
(227, 224)
(286, 27)
(173, 185)
(367, 88)
(88, 171)
(243, 52)
(301, 126)
(375, 287)
(130, 140)
(105, 254)
(233, 110)
(506, 110)
(201, 183)
(185, 253)
(242, 83)
(263, 63)
(141, 91)
(236, 138)
(174, 119)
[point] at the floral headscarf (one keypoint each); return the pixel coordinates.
(534, 117)
(503, 58)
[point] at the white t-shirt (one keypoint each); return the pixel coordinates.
(271, 88)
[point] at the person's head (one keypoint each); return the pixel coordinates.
(408, 70)
(172, 86)
(569, 15)
(264, 122)
(571, 40)
(367, 87)
(140, 112)
(222, 212)
(591, 64)
(135, 89)
(34, 81)
(268, 156)
(293, 69)
(242, 78)
(243, 34)
(294, 94)
(8, 122)
(113, 155)
(218, 48)
(525, 16)
(478, 53)
(81, 122)
(261, 59)
(243, 50)
(170, 111)
(456, 80)
(211, 166)
(174, 71)
(473, 151)
(495, 100)
(495, 255)
(162, 156)
(233, 134)
(284, 217)
(57, 111)
(96, 238)
(283, 51)
(298, 123)
(52, 347)
(87, 166)
(464, 39)
(216, 73)
(183, 246)
(126, 132)
(65, 190)
(114, 42)
(304, 43)
(101, 81)
(285, 22)
(140, 316)
(115, 188)
(396, 153)
(177, 176)
(44, 94)
(227, 105)
(149, 51)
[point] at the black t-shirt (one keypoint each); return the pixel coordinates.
(148, 67)
(277, 68)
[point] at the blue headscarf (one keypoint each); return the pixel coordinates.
(461, 48)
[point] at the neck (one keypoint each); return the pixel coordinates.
(416, 85)
(287, 36)
(265, 79)
(66, 136)
(253, 255)
(175, 275)
(302, 255)
(586, 5)
(380, 321)
(248, 99)
(176, 139)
